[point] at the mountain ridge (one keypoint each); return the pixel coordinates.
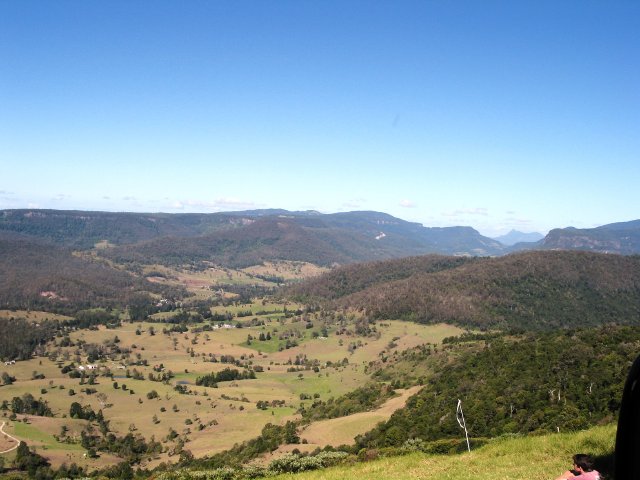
(237, 238)
(234, 238)
(536, 290)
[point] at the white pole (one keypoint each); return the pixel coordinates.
(461, 422)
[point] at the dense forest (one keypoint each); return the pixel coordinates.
(547, 382)
(82, 230)
(38, 276)
(530, 290)
(260, 240)
(19, 338)
(349, 279)
(239, 239)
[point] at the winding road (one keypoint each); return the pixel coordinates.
(12, 438)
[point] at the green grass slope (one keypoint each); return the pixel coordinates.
(526, 458)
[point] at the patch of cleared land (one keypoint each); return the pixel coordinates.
(39, 433)
(342, 431)
(286, 270)
(202, 283)
(32, 315)
(205, 283)
(7, 442)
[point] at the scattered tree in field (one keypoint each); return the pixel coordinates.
(28, 461)
(152, 394)
(7, 379)
(102, 399)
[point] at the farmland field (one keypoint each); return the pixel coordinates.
(32, 316)
(132, 374)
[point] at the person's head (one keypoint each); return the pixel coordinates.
(583, 462)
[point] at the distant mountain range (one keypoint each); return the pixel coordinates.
(514, 236)
(65, 260)
(622, 238)
(239, 239)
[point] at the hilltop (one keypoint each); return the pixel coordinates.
(622, 238)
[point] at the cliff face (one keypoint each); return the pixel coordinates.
(621, 238)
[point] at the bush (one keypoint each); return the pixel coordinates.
(292, 463)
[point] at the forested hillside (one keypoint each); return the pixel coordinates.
(83, 229)
(622, 238)
(239, 239)
(349, 279)
(531, 290)
(320, 239)
(265, 239)
(542, 382)
(38, 276)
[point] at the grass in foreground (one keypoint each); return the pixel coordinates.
(525, 458)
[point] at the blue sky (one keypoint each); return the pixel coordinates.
(497, 115)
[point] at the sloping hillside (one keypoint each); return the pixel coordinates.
(350, 279)
(531, 290)
(513, 458)
(265, 239)
(83, 229)
(40, 276)
(535, 383)
(622, 238)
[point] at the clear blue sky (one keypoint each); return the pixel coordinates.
(497, 115)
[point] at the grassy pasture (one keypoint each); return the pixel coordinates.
(208, 419)
(201, 283)
(205, 283)
(32, 315)
(6, 443)
(286, 269)
(39, 433)
(272, 310)
(342, 431)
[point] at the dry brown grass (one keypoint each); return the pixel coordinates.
(341, 431)
(226, 421)
(287, 270)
